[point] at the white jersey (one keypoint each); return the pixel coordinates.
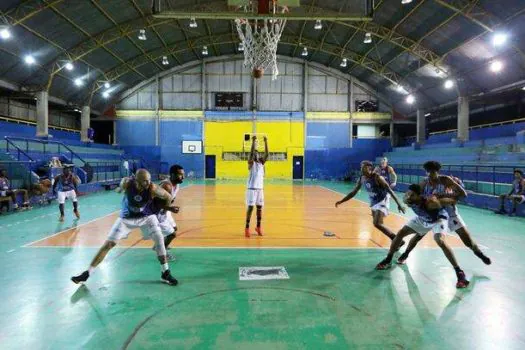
(256, 178)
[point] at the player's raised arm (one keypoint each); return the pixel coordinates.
(123, 186)
(350, 195)
(266, 153)
(393, 176)
(251, 159)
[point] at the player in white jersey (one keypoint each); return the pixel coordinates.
(254, 191)
(166, 221)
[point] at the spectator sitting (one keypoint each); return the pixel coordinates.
(7, 191)
(516, 195)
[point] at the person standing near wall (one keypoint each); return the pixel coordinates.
(254, 191)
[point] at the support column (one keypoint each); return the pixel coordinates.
(463, 118)
(115, 141)
(351, 107)
(85, 120)
(421, 127)
(157, 111)
(42, 114)
(392, 134)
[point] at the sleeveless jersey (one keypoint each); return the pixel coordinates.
(517, 186)
(385, 173)
(4, 184)
(156, 208)
(439, 189)
(256, 177)
(376, 193)
(66, 183)
(136, 204)
(429, 216)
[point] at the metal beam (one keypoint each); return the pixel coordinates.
(326, 16)
(27, 9)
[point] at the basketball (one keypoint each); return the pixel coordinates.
(257, 73)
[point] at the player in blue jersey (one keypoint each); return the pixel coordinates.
(431, 215)
(516, 194)
(136, 212)
(379, 192)
(387, 172)
(65, 186)
(442, 186)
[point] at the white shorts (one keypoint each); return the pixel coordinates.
(167, 224)
(421, 227)
(254, 197)
(383, 206)
(62, 196)
(123, 226)
(521, 199)
(455, 223)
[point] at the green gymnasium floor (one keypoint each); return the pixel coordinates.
(334, 298)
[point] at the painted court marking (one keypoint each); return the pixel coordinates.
(258, 273)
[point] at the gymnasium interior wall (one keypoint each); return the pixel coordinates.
(157, 116)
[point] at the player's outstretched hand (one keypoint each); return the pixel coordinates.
(401, 209)
(174, 209)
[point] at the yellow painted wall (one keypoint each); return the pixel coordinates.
(283, 136)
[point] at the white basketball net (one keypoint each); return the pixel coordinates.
(260, 39)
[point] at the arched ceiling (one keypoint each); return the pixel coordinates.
(416, 45)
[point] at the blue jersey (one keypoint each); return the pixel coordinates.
(517, 186)
(385, 173)
(376, 192)
(429, 216)
(440, 189)
(136, 204)
(66, 183)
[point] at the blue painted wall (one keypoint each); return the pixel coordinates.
(481, 134)
(24, 130)
(322, 135)
(132, 132)
(335, 163)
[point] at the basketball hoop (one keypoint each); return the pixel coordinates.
(260, 38)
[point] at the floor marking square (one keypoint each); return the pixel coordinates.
(263, 273)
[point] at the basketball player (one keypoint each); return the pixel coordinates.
(136, 213)
(387, 172)
(67, 188)
(431, 215)
(378, 191)
(254, 191)
(168, 226)
(516, 195)
(443, 186)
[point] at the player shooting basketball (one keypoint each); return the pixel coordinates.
(254, 191)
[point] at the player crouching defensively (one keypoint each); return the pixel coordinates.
(67, 184)
(136, 212)
(431, 215)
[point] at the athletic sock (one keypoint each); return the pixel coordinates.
(61, 207)
(164, 267)
(259, 217)
(91, 269)
(75, 206)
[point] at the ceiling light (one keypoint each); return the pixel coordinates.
(107, 85)
(305, 52)
(499, 39)
(344, 62)
(193, 23)
(368, 38)
(400, 89)
(241, 46)
(427, 115)
(318, 25)
(205, 50)
(449, 84)
(404, 2)
(523, 88)
(79, 82)
(29, 59)
(496, 66)
(165, 61)
(105, 94)
(69, 66)
(142, 35)
(410, 99)
(5, 33)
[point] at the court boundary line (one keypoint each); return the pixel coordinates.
(28, 245)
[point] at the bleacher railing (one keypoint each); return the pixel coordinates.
(44, 144)
(485, 179)
(10, 145)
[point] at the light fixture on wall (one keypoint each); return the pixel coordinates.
(318, 25)
(241, 47)
(142, 35)
(193, 23)
(205, 50)
(165, 61)
(344, 63)
(368, 38)
(305, 52)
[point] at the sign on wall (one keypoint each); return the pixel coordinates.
(192, 147)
